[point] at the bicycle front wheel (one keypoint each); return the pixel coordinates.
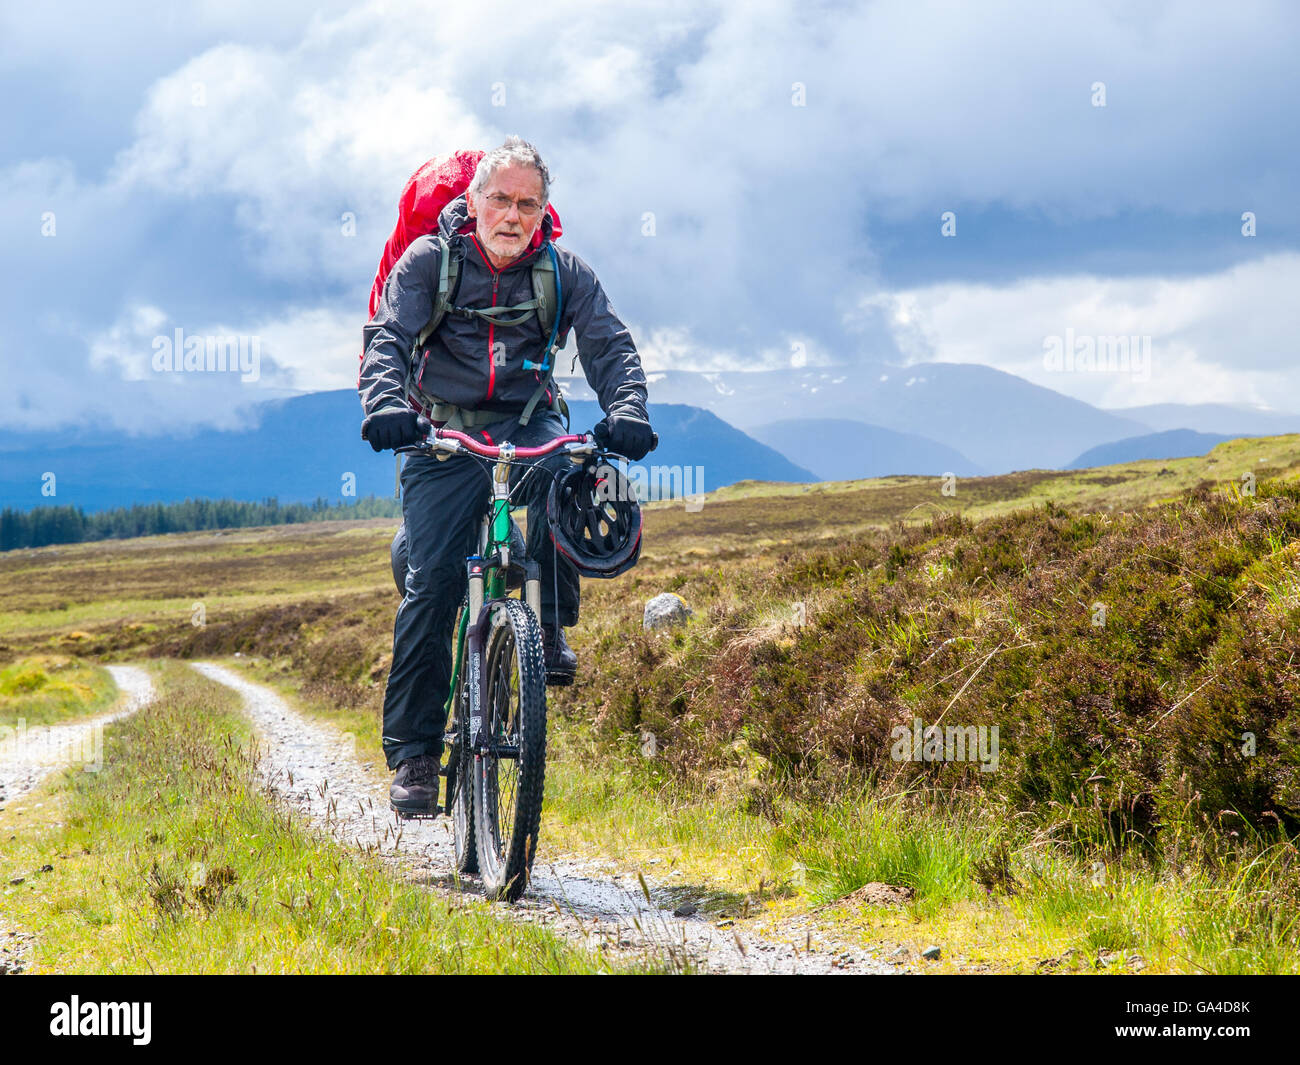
(510, 762)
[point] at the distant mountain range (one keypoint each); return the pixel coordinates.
(841, 450)
(798, 425)
(689, 436)
(998, 421)
(1223, 418)
(1174, 444)
(306, 447)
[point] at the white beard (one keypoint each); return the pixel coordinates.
(505, 249)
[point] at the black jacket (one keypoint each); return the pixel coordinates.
(457, 364)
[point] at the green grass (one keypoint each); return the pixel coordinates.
(1238, 918)
(997, 624)
(172, 860)
(1118, 487)
(870, 838)
(998, 893)
(43, 689)
(155, 580)
(93, 586)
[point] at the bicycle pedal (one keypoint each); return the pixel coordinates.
(559, 680)
(411, 815)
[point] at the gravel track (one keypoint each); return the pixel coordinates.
(314, 768)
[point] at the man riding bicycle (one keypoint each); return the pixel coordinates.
(484, 369)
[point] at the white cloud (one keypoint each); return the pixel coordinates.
(304, 349)
(893, 121)
(1227, 337)
(128, 343)
(314, 349)
(683, 110)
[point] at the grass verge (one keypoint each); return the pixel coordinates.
(43, 689)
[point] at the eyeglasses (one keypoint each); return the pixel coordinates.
(527, 208)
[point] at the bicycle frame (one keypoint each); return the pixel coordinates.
(488, 572)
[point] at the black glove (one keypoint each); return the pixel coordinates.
(391, 427)
(625, 435)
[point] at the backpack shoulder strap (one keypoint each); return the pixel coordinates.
(448, 273)
(546, 291)
(550, 301)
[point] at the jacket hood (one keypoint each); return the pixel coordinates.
(455, 219)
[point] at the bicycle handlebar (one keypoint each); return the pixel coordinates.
(452, 440)
(491, 451)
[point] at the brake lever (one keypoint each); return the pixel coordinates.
(654, 443)
(425, 428)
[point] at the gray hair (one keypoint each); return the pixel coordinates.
(515, 152)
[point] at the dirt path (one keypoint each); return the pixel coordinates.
(31, 755)
(313, 766)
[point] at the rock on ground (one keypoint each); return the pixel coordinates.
(665, 611)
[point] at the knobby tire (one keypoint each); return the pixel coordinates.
(508, 791)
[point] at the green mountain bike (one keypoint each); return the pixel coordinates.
(497, 737)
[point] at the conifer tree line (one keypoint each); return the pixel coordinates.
(70, 525)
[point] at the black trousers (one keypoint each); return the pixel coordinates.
(443, 504)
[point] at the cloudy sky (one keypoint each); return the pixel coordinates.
(231, 168)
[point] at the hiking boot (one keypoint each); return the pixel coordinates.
(561, 662)
(414, 791)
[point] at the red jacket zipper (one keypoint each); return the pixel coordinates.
(496, 278)
(492, 362)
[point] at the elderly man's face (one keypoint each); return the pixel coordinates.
(508, 212)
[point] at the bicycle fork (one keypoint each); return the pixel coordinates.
(475, 644)
(474, 641)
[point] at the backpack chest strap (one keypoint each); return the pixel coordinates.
(547, 304)
(516, 315)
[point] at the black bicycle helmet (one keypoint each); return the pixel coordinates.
(398, 555)
(595, 519)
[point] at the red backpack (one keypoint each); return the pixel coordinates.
(429, 190)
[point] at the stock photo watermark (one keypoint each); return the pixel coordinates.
(53, 747)
(946, 743)
(654, 483)
(133, 1020)
(1088, 353)
(208, 353)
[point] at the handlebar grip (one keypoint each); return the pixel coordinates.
(423, 426)
(654, 441)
